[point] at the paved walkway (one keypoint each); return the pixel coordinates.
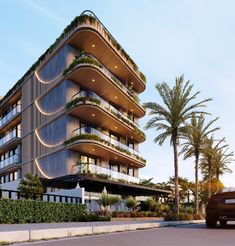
(32, 232)
(22, 227)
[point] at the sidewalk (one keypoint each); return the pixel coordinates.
(31, 232)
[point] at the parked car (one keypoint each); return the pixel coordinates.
(221, 207)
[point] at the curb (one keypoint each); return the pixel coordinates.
(42, 234)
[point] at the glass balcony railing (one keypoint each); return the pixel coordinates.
(14, 159)
(92, 168)
(107, 138)
(10, 115)
(11, 135)
(104, 104)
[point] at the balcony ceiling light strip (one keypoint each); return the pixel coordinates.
(44, 143)
(46, 82)
(41, 171)
(45, 113)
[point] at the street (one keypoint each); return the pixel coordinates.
(189, 235)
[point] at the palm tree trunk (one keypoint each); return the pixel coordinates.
(209, 180)
(176, 176)
(217, 182)
(196, 183)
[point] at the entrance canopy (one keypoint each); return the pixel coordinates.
(93, 184)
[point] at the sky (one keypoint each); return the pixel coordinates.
(165, 39)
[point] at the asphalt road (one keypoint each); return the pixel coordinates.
(190, 235)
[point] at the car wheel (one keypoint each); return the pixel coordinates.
(223, 222)
(211, 223)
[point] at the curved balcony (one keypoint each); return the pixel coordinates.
(96, 169)
(91, 141)
(10, 116)
(91, 35)
(90, 73)
(95, 110)
(10, 161)
(86, 32)
(10, 139)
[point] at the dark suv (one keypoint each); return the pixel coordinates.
(221, 207)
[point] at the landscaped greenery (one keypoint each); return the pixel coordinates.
(33, 211)
(74, 102)
(197, 132)
(82, 60)
(30, 187)
(106, 200)
(131, 203)
(169, 120)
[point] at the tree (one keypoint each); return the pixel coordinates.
(203, 195)
(106, 201)
(30, 187)
(208, 160)
(221, 159)
(131, 203)
(152, 204)
(170, 119)
(185, 187)
(195, 136)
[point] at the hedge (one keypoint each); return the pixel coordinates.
(32, 211)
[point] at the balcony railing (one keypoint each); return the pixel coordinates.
(104, 104)
(107, 138)
(89, 58)
(91, 168)
(10, 115)
(11, 135)
(15, 159)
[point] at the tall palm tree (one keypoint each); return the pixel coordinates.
(208, 160)
(170, 119)
(222, 158)
(195, 136)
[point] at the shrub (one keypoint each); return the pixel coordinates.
(131, 203)
(34, 211)
(106, 201)
(30, 187)
(152, 205)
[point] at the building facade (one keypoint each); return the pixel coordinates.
(75, 111)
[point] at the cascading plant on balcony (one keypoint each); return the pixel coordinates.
(83, 60)
(74, 102)
(99, 139)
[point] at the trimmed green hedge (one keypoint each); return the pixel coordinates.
(32, 211)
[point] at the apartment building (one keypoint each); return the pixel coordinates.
(75, 112)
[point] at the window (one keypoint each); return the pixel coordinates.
(114, 167)
(86, 159)
(131, 171)
(131, 145)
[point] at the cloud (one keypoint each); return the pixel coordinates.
(44, 11)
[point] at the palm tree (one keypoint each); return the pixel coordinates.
(208, 160)
(195, 136)
(170, 119)
(222, 158)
